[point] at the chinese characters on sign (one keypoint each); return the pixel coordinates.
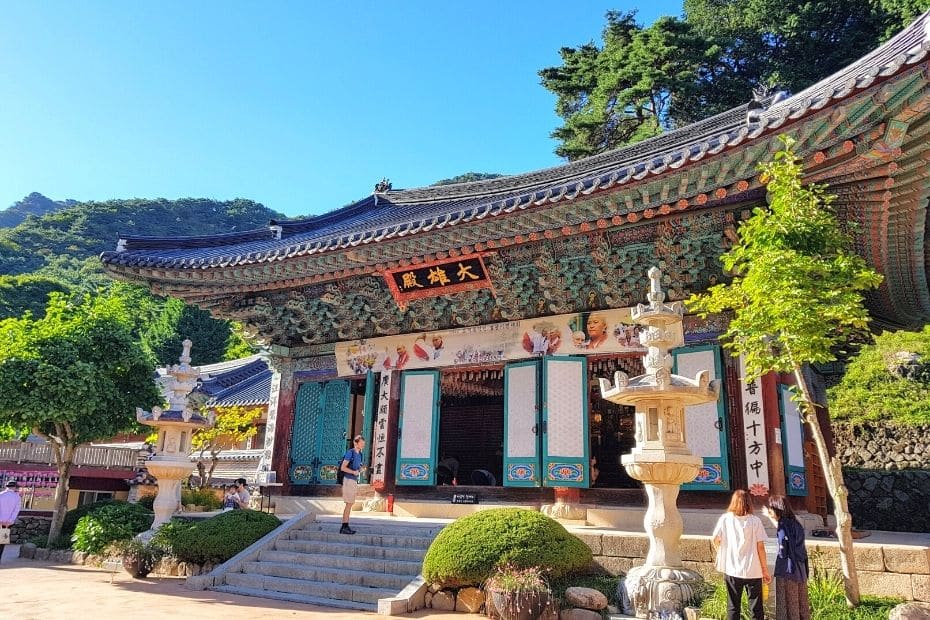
(379, 428)
(450, 276)
(757, 462)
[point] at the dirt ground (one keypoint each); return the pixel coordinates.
(33, 590)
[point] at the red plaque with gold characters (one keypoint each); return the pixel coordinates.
(451, 275)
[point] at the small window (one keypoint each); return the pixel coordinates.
(89, 497)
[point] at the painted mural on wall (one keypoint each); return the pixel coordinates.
(585, 333)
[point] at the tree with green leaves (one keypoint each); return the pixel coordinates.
(178, 321)
(640, 81)
(796, 296)
(233, 426)
(26, 293)
(626, 90)
(73, 376)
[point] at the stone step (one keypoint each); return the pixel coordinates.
(375, 526)
(350, 550)
(397, 567)
(363, 538)
(318, 589)
(368, 579)
(297, 598)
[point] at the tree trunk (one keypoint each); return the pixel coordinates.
(64, 458)
(202, 471)
(833, 473)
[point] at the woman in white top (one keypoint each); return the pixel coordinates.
(740, 542)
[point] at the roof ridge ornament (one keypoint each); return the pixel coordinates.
(384, 185)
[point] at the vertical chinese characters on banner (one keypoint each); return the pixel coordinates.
(379, 432)
(757, 462)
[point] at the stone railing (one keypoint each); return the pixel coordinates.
(85, 456)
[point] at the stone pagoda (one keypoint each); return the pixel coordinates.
(661, 458)
(175, 427)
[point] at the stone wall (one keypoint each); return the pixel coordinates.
(887, 472)
(883, 447)
(896, 501)
(29, 526)
(884, 570)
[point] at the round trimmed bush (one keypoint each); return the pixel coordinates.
(114, 521)
(221, 537)
(467, 551)
(73, 516)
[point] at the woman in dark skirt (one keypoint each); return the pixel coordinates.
(791, 565)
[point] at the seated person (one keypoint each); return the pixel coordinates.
(483, 477)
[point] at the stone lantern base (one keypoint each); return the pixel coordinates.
(653, 589)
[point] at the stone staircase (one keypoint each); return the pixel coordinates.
(315, 564)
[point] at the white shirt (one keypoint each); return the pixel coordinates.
(738, 555)
(9, 506)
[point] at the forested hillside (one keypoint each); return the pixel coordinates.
(55, 247)
(33, 204)
(86, 229)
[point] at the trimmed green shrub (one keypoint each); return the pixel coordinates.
(221, 537)
(467, 551)
(147, 501)
(166, 535)
(73, 516)
(114, 521)
(201, 497)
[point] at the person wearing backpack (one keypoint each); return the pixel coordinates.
(351, 467)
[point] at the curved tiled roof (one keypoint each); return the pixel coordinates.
(241, 382)
(406, 212)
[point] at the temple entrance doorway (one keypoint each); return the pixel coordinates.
(471, 427)
(611, 425)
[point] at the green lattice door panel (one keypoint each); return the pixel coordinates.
(565, 451)
(792, 442)
(334, 423)
(522, 424)
(419, 428)
(706, 425)
(318, 435)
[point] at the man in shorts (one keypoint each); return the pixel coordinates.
(351, 467)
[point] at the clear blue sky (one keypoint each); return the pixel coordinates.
(302, 106)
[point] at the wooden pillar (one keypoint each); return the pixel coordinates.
(775, 449)
(280, 420)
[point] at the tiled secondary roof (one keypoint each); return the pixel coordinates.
(402, 212)
(241, 382)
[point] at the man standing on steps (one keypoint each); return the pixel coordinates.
(351, 467)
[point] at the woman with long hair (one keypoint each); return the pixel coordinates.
(791, 565)
(740, 542)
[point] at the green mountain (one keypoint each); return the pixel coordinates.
(80, 231)
(33, 204)
(55, 248)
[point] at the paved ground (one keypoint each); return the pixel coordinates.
(33, 590)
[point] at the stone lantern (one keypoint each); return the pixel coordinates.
(175, 427)
(661, 458)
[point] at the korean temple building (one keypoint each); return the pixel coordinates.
(471, 321)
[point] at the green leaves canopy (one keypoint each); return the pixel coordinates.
(641, 81)
(797, 290)
(76, 374)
